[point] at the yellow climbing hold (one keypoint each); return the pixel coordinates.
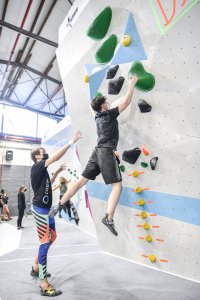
(86, 78)
(149, 238)
(141, 202)
(126, 40)
(152, 258)
(138, 190)
(146, 226)
(143, 214)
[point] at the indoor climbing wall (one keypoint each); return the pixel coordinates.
(106, 42)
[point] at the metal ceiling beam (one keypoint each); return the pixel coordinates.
(4, 13)
(27, 58)
(57, 89)
(27, 33)
(17, 64)
(48, 68)
(65, 104)
(13, 103)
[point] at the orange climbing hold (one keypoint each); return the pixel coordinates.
(145, 150)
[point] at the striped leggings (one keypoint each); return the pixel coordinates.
(47, 235)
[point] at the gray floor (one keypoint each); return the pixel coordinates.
(82, 272)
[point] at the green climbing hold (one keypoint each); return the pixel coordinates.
(100, 25)
(146, 81)
(68, 170)
(98, 94)
(105, 53)
(144, 164)
(122, 168)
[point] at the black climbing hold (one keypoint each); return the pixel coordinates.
(132, 155)
(112, 72)
(153, 162)
(144, 106)
(115, 85)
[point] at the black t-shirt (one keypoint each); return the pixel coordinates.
(107, 128)
(41, 185)
(21, 201)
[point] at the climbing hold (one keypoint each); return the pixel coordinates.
(98, 94)
(86, 78)
(152, 258)
(132, 155)
(135, 173)
(138, 190)
(115, 85)
(149, 238)
(144, 164)
(126, 40)
(122, 168)
(141, 202)
(100, 25)
(146, 226)
(68, 170)
(144, 106)
(112, 72)
(106, 51)
(145, 150)
(153, 162)
(146, 81)
(143, 215)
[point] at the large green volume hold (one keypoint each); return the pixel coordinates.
(146, 81)
(105, 53)
(100, 25)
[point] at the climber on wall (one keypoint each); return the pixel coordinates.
(103, 159)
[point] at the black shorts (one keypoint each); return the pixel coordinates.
(103, 161)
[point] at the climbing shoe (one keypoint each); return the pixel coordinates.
(50, 291)
(109, 224)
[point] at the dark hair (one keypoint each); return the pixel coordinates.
(97, 102)
(34, 153)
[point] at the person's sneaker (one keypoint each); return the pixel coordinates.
(76, 220)
(50, 291)
(35, 274)
(109, 224)
(54, 210)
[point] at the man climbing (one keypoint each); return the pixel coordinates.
(103, 159)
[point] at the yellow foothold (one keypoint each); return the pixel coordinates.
(86, 78)
(141, 202)
(152, 258)
(138, 190)
(135, 173)
(149, 238)
(126, 40)
(143, 214)
(146, 226)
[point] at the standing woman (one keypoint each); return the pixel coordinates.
(21, 206)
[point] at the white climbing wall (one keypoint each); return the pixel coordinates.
(171, 130)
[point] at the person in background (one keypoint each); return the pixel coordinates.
(41, 204)
(5, 209)
(68, 206)
(21, 205)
